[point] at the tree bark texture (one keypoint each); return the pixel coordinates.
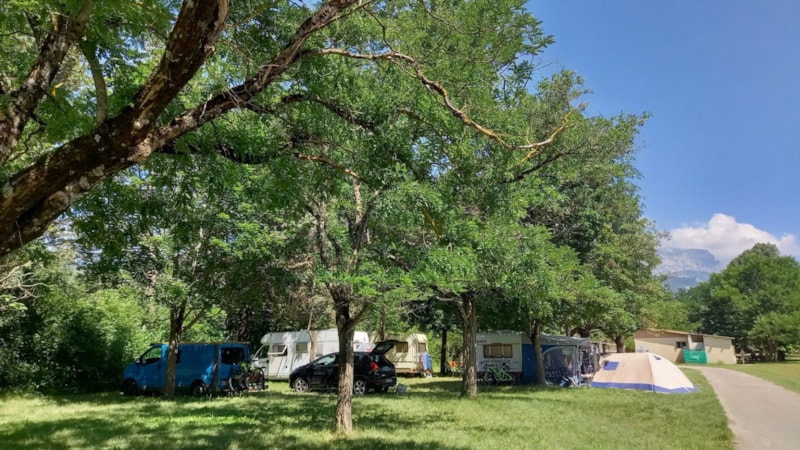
(346, 327)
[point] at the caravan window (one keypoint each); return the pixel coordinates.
(301, 347)
(497, 351)
(422, 347)
(277, 350)
(401, 347)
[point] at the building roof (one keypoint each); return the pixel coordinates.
(654, 332)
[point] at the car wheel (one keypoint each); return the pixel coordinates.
(359, 386)
(129, 387)
(198, 389)
(300, 385)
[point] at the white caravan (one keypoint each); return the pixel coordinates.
(282, 351)
(410, 355)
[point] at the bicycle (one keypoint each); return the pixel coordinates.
(494, 374)
(245, 379)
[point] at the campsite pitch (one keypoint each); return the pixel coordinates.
(429, 416)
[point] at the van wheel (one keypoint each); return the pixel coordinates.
(300, 385)
(129, 387)
(359, 387)
(198, 388)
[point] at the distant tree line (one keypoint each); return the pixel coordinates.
(755, 300)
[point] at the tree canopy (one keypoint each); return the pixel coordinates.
(290, 164)
(755, 300)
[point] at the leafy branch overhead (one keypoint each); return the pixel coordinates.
(108, 84)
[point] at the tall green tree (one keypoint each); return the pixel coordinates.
(594, 208)
(169, 228)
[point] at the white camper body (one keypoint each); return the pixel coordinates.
(500, 348)
(410, 355)
(283, 351)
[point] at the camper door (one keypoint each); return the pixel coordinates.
(299, 357)
(277, 359)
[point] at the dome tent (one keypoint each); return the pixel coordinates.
(641, 371)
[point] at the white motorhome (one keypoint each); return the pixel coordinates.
(410, 355)
(283, 351)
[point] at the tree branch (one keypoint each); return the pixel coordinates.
(533, 147)
(239, 96)
(101, 94)
(65, 32)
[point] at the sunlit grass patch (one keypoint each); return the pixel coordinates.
(431, 415)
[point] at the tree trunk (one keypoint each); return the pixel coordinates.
(344, 401)
(620, 341)
(345, 325)
(469, 377)
(536, 334)
(175, 334)
(443, 364)
(382, 326)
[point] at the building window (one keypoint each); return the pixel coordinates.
(401, 347)
(680, 344)
(301, 347)
(497, 351)
(422, 347)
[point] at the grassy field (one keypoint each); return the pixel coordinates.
(431, 416)
(786, 374)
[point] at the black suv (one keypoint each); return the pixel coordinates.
(372, 371)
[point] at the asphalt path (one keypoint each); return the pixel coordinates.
(761, 414)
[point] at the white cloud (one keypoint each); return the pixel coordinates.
(725, 238)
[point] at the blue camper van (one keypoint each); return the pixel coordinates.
(202, 368)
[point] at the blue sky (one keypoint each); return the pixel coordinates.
(719, 157)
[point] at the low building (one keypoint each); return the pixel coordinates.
(686, 347)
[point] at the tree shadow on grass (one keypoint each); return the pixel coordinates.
(273, 420)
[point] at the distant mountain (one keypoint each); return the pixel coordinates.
(686, 267)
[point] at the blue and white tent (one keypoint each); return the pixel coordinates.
(641, 371)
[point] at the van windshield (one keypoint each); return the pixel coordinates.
(153, 354)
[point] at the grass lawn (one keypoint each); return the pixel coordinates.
(786, 374)
(431, 416)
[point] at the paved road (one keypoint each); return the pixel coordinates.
(762, 415)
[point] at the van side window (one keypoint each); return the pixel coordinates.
(232, 355)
